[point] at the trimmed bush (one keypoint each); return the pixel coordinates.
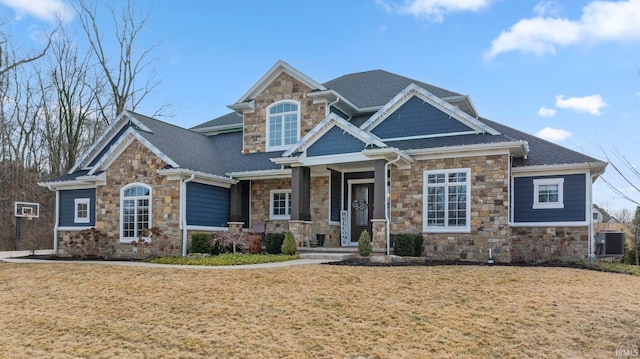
(408, 245)
(201, 243)
(255, 243)
(273, 242)
(289, 246)
(364, 244)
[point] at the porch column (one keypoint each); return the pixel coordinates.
(379, 223)
(235, 204)
(300, 222)
(378, 190)
(301, 194)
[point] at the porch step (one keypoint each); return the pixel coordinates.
(326, 255)
(331, 253)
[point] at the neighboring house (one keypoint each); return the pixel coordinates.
(601, 216)
(368, 151)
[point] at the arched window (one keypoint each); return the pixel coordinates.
(283, 125)
(135, 211)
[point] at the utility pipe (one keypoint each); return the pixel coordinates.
(55, 226)
(387, 201)
(183, 211)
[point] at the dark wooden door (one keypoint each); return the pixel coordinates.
(361, 209)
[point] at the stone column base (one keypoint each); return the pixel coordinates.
(301, 231)
(235, 227)
(379, 235)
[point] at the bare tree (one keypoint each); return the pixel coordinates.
(132, 64)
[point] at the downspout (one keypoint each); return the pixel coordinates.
(590, 216)
(55, 226)
(183, 212)
(387, 202)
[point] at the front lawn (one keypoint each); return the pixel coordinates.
(316, 311)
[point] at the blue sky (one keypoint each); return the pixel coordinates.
(564, 70)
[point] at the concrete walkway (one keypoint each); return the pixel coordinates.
(14, 257)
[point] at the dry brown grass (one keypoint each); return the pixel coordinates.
(101, 311)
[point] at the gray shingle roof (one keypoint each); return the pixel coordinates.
(215, 155)
(375, 88)
(231, 118)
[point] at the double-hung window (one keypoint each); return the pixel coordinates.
(81, 210)
(548, 193)
(283, 125)
(280, 204)
(447, 206)
(135, 211)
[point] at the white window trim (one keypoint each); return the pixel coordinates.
(270, 148)
(124, 239)
(548, 181)
(271, 194)
(78, 219)
(446, 229)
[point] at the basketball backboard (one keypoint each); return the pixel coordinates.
(24, 209)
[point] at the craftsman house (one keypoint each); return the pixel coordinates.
(368, 151)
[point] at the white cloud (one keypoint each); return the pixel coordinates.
(589, 104)
(547, 8)
(553, 134)
(546, 112)
(601, 21)
(434, 10)
(47, 10)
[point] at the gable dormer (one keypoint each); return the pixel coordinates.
(277, 111)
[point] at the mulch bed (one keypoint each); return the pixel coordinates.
(80, 259)
(418, 262)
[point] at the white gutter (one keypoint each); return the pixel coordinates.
(387, 201)
(55, 226)
(183, 212)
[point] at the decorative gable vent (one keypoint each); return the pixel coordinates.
(610, 244)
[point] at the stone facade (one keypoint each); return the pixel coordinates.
(136, 165)
(489, 208)
(544, 244)
(284, 87)
(261, 196)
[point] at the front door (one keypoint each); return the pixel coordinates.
(361, 207)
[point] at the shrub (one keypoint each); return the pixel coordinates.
(629, 254)
(273, 242)
(419, 239)
(200, 243)
(364, 244)
(255, 243)
(289, 246)
(407, 244)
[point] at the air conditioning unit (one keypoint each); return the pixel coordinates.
(610, 244)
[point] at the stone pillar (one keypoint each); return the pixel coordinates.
(379, 235)
(379, 190)
(301, 194)
(301, 231)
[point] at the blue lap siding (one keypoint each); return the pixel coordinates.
(575, 197)
(67, 206)
(417, 118)
(207, 205)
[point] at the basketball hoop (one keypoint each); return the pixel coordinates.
(29, 216)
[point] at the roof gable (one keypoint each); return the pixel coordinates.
(413, 90)
(331, 121)
(271, 75)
